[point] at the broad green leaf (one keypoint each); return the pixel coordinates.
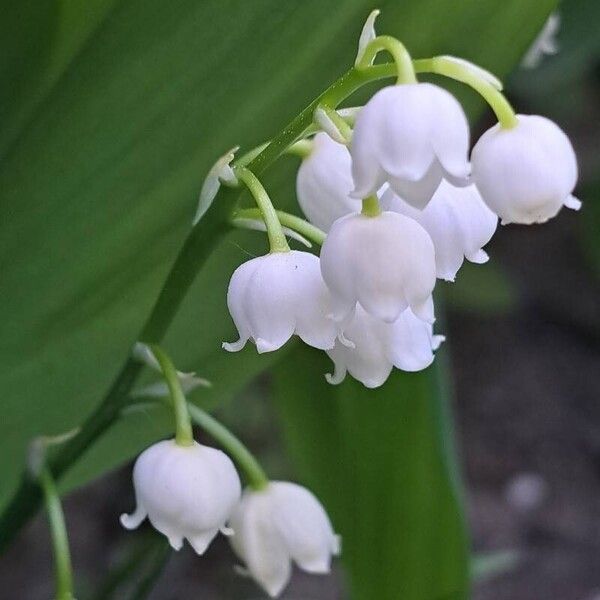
(382, 463)
(38, 40)
(483, 289)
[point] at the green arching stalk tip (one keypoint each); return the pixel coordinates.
(495, 98)
(402, 59)
(254, 473)
(183, 425)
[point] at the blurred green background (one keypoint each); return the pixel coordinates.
(112, 114)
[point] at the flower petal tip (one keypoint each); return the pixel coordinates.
(134, 520)
(573, 203)
(234, 346)
(479, 258)
(335, 378)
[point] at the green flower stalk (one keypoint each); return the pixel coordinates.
(60, 540)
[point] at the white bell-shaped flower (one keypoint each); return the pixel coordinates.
(273, 297)
(324, 183)
(278, 525)
(458, 222)
(527, 173)
(406, 344)
(185, 491)
(410, 135)
(385, 263)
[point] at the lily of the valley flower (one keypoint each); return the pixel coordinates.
(277, 525)
(527, 173)
(324, 183)
(185, 491)
(406, 344)
(273, 297)
(458, 222)
(385, 263)
(411, 136)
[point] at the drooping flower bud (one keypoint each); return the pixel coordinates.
(527, 173)
(277, 525)
(412, 136)
(458, 222)
(273, 297)
(185, 491)
(406, 344)
(385, 263)
(324, 183)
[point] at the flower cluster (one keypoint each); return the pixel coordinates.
(192, 492)
(402, 203)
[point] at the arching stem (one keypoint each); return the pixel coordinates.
(454, 70)
(277, 240)
(183, 425)
(257, 479)
(402, 59)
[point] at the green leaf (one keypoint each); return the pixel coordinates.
(484, 289)
(38, 40)
(382, 463)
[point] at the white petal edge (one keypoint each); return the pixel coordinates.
(572, 202)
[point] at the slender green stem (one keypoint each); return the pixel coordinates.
(303, 227)
(60, 540)
(370, 206)
(257, 479)
(277, 240)
(454, 70)
(402, 59)
(183, 425)
(196, 249)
